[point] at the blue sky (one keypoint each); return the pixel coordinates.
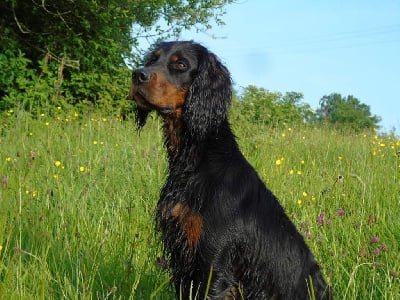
(314, 47)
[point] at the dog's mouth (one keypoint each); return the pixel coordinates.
(146, 104)
(140, 98)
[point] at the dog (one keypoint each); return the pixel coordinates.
(225, 235)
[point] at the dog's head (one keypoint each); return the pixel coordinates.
(185, 79)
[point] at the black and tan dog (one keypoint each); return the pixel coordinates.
(216, 217)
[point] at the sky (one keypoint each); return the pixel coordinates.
(314, 47)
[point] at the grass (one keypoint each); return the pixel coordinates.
(77, 195)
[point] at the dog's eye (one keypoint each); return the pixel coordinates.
(179, 65)
(151, 61)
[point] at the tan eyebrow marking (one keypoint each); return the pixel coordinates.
(174, 58)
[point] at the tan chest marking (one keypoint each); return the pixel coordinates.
(191, 224)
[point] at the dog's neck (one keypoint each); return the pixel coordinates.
(172, 132)
(182, 149)
(185, 151)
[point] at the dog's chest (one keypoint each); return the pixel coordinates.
(181, 226)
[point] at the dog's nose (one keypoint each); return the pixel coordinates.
(141, 75)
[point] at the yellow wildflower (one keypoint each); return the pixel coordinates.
(57, 163)
(81, 169)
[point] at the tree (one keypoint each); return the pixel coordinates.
(294, 109)
(346, 112)
(102, 28)
(88, 42)
(259, 105)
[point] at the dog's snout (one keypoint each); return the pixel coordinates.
(141, 75)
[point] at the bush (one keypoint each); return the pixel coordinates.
(45, 90)
(21, 86)
(258, 105)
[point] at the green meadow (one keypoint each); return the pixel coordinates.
(78, 192)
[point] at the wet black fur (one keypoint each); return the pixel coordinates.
(248, 243)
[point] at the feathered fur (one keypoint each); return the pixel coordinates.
(215, 215)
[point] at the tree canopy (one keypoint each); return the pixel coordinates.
(96, 33)
(258, 105)
(346, 112)
(82, 47)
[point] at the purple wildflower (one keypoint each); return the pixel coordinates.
(4, 180)
(383, 247)
(321, 218)
(374, 239)
(340, 212)
(376, 251)
(307, 234)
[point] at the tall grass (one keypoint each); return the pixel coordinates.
(77, 195)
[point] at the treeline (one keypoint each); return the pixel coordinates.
(78, 55)
(258, 105)
(45, 90)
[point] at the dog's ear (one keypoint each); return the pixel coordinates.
(141, 117)
(208, 98)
